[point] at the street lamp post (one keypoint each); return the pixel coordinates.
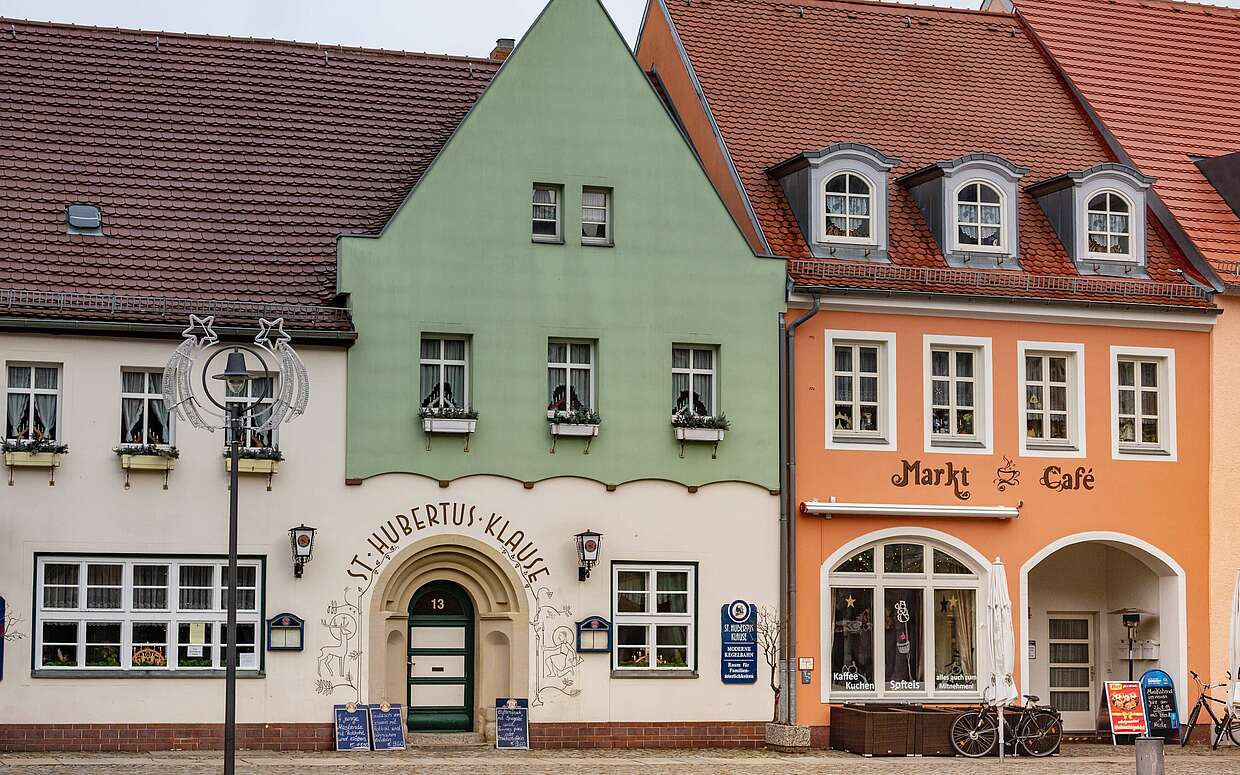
(287, 401)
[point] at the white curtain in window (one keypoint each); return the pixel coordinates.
(430, 384)
(966, 632)
(454, 386)
(44, 416)
(18, 416)
(131, 421)
(580, 393)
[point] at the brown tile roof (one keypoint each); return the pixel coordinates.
(1163, 78)
(922, 85)
(225, 167)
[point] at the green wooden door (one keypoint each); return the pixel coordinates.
(441, 659)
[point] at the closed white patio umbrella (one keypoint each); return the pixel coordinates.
(1001, 642)
(1233, 645)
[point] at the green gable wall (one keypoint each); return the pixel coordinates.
(570, 107)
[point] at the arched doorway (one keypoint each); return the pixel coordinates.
(441, 658)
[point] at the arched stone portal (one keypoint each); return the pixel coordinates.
(501, 634)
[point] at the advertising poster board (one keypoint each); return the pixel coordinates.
(352, 727)
(738, 654)
(1162, 717)
(1126, 707)
(512, 723)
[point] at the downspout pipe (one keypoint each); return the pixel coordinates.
(787, 504)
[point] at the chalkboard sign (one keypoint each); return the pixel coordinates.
(352, 727)
(1160, 709)
(512, 723)
(387, 727)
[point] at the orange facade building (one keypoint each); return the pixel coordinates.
(998, 350)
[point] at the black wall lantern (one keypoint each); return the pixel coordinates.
(589, 547)
(302, 539)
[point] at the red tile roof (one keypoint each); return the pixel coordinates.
(1163, 78)
(922, 85)
(225, 167)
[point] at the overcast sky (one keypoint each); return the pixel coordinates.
(438, 26)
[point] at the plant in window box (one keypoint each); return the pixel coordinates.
(33, 453)
(700, 427)
(255, 460)
(448, 419)
(575, 422)
(147, 457)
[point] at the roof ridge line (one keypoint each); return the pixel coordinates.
(12, 22)
(886, 6)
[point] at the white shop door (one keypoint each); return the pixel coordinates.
(1072, 670)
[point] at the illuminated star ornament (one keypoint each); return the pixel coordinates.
(850, 600)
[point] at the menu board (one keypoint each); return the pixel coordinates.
(1161, 714)
(512, 723)
(387, 727)
(1126, 707)
(352, 727)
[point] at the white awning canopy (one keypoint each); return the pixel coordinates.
(834, 508)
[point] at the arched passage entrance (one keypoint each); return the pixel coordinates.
(1070, 592)
(498, 643)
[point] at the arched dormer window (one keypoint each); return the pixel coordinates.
(1108, 226)
(979, 217)
(902, 620)
(848, 207)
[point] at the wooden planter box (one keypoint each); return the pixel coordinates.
(872, 730)
(32, 459)
(932, 728)
(699, 434)
(444, 425)
(253, 466)
(581, 430)
(147, 463)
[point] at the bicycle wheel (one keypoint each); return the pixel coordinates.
(1187, 730)
(974, 734)
(1233, 727)
(1040, 733)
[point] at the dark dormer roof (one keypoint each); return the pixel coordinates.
(1070, 178)
(804, 158)
(939, 168)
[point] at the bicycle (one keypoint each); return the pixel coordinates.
(1229, 723)
(1035, 729)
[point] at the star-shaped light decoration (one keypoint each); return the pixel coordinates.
(204, 323)
(850, 600)
(271, 332)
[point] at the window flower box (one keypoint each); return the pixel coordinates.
(580, 430)
(700, 434)
(698, 427)
(33, 454)
(447, 419)
(581, 423)
(147, 457)
(255, 460)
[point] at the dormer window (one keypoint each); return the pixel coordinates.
(839, 198)
(1099, 216)
(979, 217)
(848, 209)
(1109, 235)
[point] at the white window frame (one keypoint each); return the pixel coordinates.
(146, 397)
(606, 222)
(691, 370)
(249, 400)
(32, 391)
(825, 217)
(954, 222)
(442, 361)
(982, 442)
(652, 619)
(1075, 446)
(1166, 449)
(127, 615)
(1130, 256)
(558, 192)
(929, 582)
(885, 439)
(569, 367)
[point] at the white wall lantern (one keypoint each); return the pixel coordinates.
(302, 540)
(589, 548)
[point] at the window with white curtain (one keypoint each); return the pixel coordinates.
(570, 375)
(954, 393)
(32, 410)
(1108, 233)
(144, 418)
(596, 216)
(693, 380)
(254, 398)
(1140, 403)
(857, 399)
(979, 217)
(847, 209)
(144, 613)
(444, 373)
(655, 616)
(546, 220)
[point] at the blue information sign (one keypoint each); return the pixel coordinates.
(1161, 714)
(512, 723)
(352, 727)
(387, 727)
(2, 633)
(738, 655)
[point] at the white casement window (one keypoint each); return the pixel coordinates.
(444, 372)
(596, 216)
(1143, 402)
(857, 397)
(570, 375)
(1108, 230)
(902, 620)
(254, 400)
(979, 217)
(547, 204)
(654, 616)
(693, 380)
(848, 200)
(140, 614)
(144, 418)
(1052, 399)
(957, 393)
(32, 408)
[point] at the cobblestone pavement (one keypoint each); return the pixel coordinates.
(1076, 760)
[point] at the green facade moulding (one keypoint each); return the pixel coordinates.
(570, 107)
